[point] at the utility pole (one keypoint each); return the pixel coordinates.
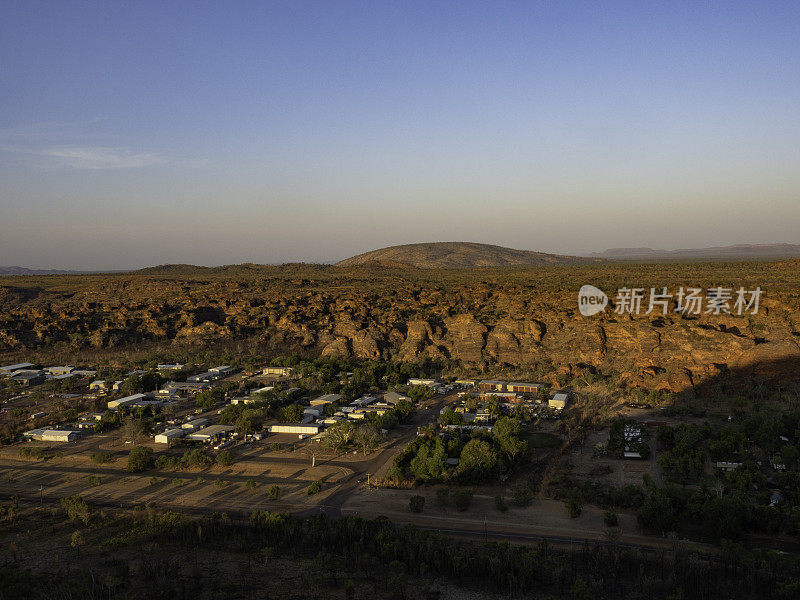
(41, 495)
(367, 480)
(313, 460)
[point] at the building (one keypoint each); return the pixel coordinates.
(315, 412)
(84, 373)
(244, 400)
(28, 378)
(52, 435)
(632, 434)
(127, 401)
(210, 434)
(363, 401)
(298, 428)
(191, 387)
(205, 377)
(223, 370)
(326, 399)
(170, 434)
(420, 381)
(465, 382)
(175, 367)
(263, 390)
(492, 385)
(393, 398)
(558, 401)
(8, 369)
(63, 370)
(283, 371)
(98, 385)
(521, 387)
(195, 424)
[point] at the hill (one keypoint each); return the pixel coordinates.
(457, 255)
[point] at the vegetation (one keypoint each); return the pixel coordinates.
(140, 458)
(416, 503)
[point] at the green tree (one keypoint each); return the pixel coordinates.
(479, 461)
(140, 458)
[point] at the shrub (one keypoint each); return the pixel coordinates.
(76, 539)
(500, 503)
(225, 458)
(443, 496)
(314, 488)
(574, 505)
(610, 518)
(140, 459)
(274, 492)
(76, 508)
(94, 480)
(102, 457)
(522, 496)
(250, 484)
(416, 503)
(462, 499)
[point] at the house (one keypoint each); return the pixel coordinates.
(558, 401)
(314, 412)
(326, 399)
(98, 385)
(420, 381)
(283, 371)
(36, 415)
(521, 387)
(8, 369)
(492, 385)
(168, 435)
(175, 367)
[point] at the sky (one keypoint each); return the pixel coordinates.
(144, 133)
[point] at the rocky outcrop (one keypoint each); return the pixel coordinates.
(484, 320)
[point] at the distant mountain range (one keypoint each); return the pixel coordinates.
(467, 255)
(735, 252)
(26, 271)
(457, 255)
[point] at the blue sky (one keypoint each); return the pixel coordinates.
(143, 133)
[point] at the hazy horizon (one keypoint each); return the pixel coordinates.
(157, 133)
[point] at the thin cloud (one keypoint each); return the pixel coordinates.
(81, 157)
